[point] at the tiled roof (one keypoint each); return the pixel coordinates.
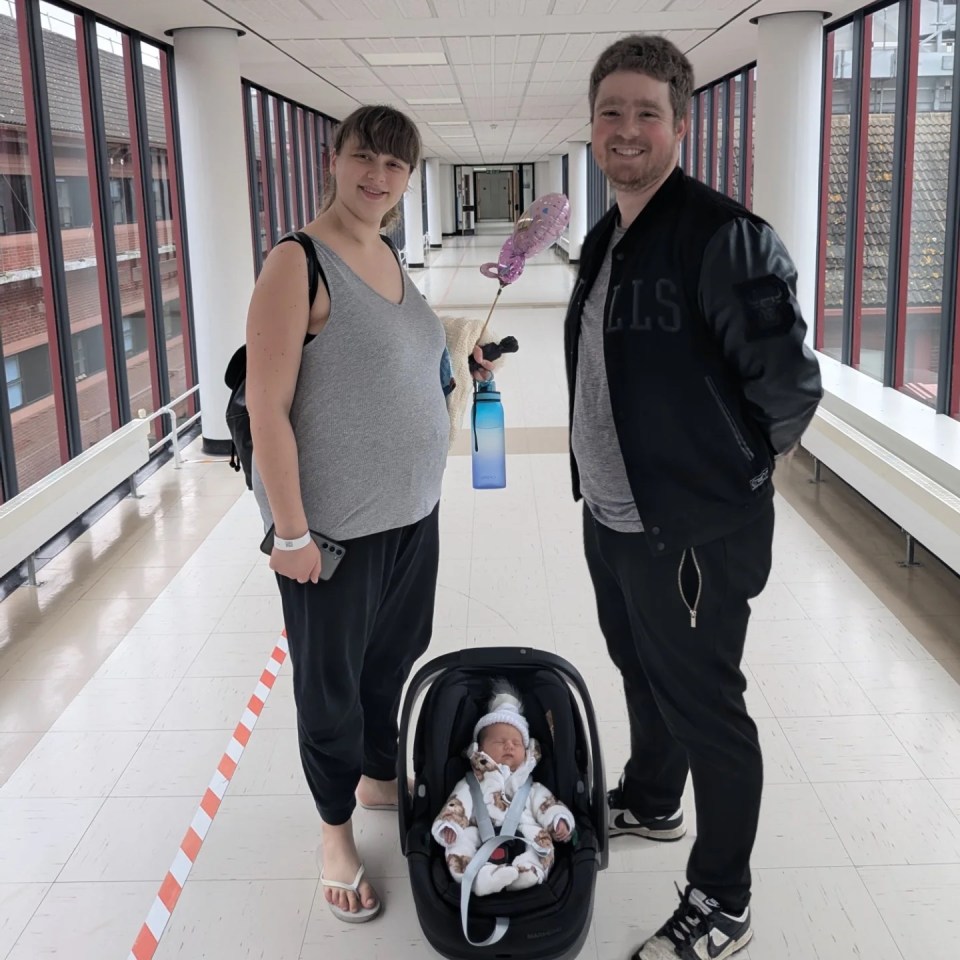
(929, 216)
(66, 115)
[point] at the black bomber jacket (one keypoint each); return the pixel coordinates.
(708, 372)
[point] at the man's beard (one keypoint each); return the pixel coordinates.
(652, 172)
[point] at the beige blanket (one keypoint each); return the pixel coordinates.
(462, 333)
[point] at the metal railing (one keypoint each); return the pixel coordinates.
(173, 437)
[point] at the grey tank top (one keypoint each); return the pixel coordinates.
(368, 413)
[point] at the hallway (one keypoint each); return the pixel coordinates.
(123, 679)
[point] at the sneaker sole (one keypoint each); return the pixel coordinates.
(733, 947)
(663, 836)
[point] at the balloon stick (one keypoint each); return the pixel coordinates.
(489, 315)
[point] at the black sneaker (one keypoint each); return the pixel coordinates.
(698, 930)
(623, 823)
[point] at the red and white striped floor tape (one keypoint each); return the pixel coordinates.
(150, 933)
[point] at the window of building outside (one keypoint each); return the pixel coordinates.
(34, 422)
(837, 137)
(157, 95)
(880, 72)
(928, 213)
(124, 210)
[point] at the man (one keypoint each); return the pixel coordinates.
(688, 379)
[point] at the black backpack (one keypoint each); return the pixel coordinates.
(238, 417)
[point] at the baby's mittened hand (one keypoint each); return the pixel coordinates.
(562, 831)
(449, 836)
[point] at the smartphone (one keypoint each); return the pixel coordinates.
(331, 552)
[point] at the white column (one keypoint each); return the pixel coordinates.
(788, 127)
(448, 199)
(577, 176)
(413, 221)
(541, 178)
(555, 179)
(216, 196)
(434, 214)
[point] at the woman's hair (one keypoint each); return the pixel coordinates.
(379, 129)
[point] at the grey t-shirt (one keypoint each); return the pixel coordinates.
(368, 414)
(603, 476)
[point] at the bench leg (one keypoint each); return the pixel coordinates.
(816, 478)
(31, 571)
(911, 560)
(133, 489)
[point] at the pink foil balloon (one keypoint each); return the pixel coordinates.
(541, 225)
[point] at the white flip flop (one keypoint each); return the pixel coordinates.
(364, 914)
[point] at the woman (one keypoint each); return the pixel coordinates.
(350, 431)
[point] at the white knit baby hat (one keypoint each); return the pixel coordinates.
(505, 708)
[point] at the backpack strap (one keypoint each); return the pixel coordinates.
(314, 270)
(491, 840)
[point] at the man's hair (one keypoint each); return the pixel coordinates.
(654, 56)
(379, 129)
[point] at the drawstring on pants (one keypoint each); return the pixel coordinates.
(696, 602)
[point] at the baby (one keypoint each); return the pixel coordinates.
(502, 758)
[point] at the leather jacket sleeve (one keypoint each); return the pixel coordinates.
(747, 292)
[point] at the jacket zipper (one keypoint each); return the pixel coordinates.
(728, 416)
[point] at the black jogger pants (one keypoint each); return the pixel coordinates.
(353, 640)
(684, 687)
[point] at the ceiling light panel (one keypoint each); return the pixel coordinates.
(405, 59)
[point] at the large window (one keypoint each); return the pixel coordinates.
(86, 147)
(888, 224)
(718, 147)
(287, 160)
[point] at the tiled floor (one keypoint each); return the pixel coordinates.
(124, 675)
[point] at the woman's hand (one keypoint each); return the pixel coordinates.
(302, 565)
(486, 367)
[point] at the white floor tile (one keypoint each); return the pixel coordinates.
(795, 830)
(86, 921)
(18, 902)
(234, 655)
(874, 637)
(131, 839)
(950, 791)
(780, 763)
(933, 740)
(262, 838)
(37, 837)
(786, 641)
(892, 822)
(833, 749)
(73, 765)
(226, 920)
(836, 598)
(207, 703)
(907, 686)
(270, 766)
(817, 914)
(811, 690)
(142, 656)
(116, 705)
(919, 907)
(176, 763)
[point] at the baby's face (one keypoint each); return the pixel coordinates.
(503, 744)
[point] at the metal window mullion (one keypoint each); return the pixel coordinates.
(178, 222)
(905, 115)
(948, 392)
(741, 185)
(285, 182)
(310, 147)
(58, 327)
(856, 160)
(826, 140)
(8, 454)
(296, 183)
(252, 185)
(98, 163)
(268, 184)
(713, 114)
(149, 207)
(897, 196)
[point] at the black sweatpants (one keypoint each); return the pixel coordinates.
(353, 640)
(684, 687)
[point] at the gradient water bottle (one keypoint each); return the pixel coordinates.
(489, 446)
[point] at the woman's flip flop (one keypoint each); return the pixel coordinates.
(364, 914)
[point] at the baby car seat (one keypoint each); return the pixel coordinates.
(546, 922)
